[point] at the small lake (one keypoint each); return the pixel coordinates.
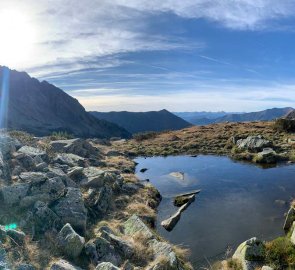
(237, 201)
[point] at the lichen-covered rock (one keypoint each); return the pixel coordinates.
(250, 253)
(290, 218)
(100, 249)
(253, 143)
(135, 225)
(96, 178)
(266, 268)
(77, 146)
(106, 266)
(69, 159)
(100, 199)
(63, 265)
(42, 218)
(12, 195)
(70, 242)
(268, 155)
(32, 177)
(33, 152)
(71, 209)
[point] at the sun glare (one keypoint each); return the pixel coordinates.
(17, 37)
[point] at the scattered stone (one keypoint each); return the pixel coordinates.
(178, 175)
(171, 222)
(63, 265)
(100, 199)
(96, 178)
(268, 155)
(33, 152)
(70, 242)
(17, 236)
(290, 218)
(250, 254)
(106, 266)
(70, 160)
(135, 225)
(77, 146)
(184, 198)
(253, 143)
(12, 195)
(71, 209)
(33, 177)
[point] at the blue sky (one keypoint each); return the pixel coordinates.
(188, 55)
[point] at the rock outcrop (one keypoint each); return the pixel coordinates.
(253, 143)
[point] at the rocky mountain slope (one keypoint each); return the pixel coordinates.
(76, 205)
(136, 122)
(41, 108)
(206, 119)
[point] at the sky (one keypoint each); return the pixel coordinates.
(141, 55)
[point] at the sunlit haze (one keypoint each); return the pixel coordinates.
(147, 55)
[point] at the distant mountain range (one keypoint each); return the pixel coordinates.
(41, 108)
(205, 118)
(136, 122)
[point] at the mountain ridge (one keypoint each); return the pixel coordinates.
(136, 122)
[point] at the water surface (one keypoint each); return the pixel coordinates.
(237, 201)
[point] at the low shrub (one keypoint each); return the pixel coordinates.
(145, 136)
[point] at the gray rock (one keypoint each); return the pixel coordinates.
(4, 263)
(76, 171)
(250, 254)
(70, 159)
(122, 246)
(96, 178)
(253, 143)
(290, 218)
(43, 218)
(100, 249)
(268, 155)
(135, 225)
(100, 199)
(25, 160)
(8, 145)
(17, 236)
(266, 268)
(71, 209)
(33, 177)
(70, 242)
(163, 249)
(106, 266)
(171, 222)
(63, 265)
(12, 195)
(131, 187)
(77, 146)
(33, 152)
(25, 266)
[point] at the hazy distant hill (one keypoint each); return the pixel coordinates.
(266, 115)
(136, 122)
(41, 108)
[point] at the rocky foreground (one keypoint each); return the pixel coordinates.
(69, 204)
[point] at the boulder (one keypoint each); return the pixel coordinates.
(43, 218)
(69, 159)
(100, 199)
(135, 225)
(77, 146)
(17, 236)
(71, 209)
(171, 222)
(8, 145)
(182, 199)
(290, 218)
(100, 249)
(106, 266)
(4, 263)
(96, 178)
(253, 143)
(267, 155)
(121, 246)
(32, 177)
(33, 152)
(12, 195)
(250, 254)
(70, 242)
(63, 265)
(25, 266)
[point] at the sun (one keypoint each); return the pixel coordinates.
(17, 38)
